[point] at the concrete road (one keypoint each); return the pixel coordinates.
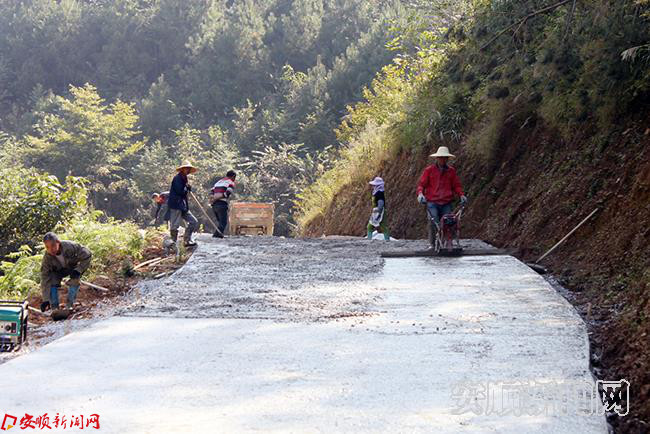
(349, 344)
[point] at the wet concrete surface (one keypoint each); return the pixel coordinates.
(281, 335)
(282, 279)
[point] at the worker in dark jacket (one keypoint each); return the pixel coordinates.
(179, 207)
(378, 219)
(162, 210)
(220, 197)
(62, 259)
(437, 187)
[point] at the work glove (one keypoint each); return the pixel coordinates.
(463, 200)
(64, 273)
(188, 188)
(422, 199)
(74, 274)
(45, 306)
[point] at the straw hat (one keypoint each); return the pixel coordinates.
(443, 151)
(187, 165)
(376, 181)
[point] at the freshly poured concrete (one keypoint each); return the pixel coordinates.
(424, 327)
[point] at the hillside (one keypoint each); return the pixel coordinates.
(549, 122)
(133, 88)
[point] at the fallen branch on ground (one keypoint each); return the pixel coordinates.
(149, 262)
(33, 309)
(92, 285)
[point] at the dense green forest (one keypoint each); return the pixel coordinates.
(120, 92)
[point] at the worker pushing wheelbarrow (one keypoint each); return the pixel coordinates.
(447, 233)
(438, 186)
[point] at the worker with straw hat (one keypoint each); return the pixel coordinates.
(437, 187)
(179, 206)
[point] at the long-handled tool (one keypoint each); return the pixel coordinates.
(206, 214)
(431, 252)
(540, 269)
(567, 235)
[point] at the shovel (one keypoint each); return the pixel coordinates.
(542, 270)
(206, 214)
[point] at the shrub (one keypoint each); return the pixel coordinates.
(32, 204)
(110, 241)
(20, 278)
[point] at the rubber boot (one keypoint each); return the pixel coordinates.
(54, 297)
(386, 235)
(174, 234)
(72, 296)
(187, 238)
(370, 233)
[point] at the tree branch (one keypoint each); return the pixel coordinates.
(569, 19)
(523, 20)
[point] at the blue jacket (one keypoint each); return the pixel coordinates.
(178, 193)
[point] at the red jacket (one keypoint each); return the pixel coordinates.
(439, 186)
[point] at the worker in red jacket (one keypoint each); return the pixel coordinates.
(437, 187)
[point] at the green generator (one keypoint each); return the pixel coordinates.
(13, 324)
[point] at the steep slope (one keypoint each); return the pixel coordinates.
(549, 122)
(535, 192)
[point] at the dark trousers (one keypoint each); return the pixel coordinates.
(434, 212)
(220, 209)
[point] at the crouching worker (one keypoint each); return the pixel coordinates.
(62, 259)
(378, 219)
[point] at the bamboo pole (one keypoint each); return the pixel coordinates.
(205, 213)
(149, 262)
(567, 235)
(33, 309)
(92, 285)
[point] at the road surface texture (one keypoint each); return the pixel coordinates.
(286, 335)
